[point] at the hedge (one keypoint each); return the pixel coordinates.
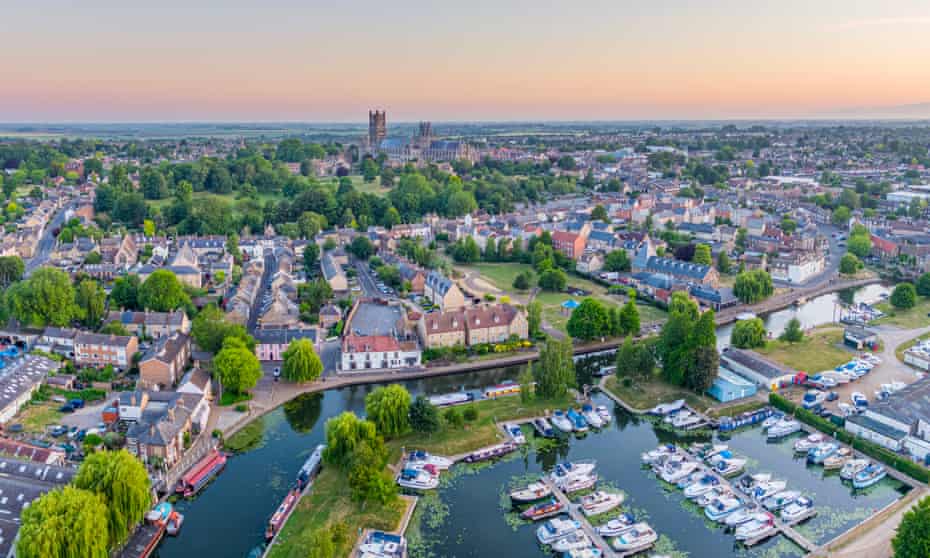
(873, 450)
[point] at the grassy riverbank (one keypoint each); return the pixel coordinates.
(899, 350)
(477, 434)
(327, 503)
(821, 349)
(646, 394)
(911, 318)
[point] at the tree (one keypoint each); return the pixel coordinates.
(859, 244)
(114, 328)
(553, 280)
(904, 296)
(11, 270)
(793, 332)
(162, 292)
(555, 371)
(311, 257)
(599, 213)
(523, 281)
(627, 359)
(753, 286)
(629, 316)
(702, 255)
(617, 260)
(63, 522)
(672, 347)
(912, 539)
(93, 258)
(589, 320)
(525, 379)
(314, 294)
(453, 417)
(702, 369)
(236, 366)
(748, 334)
(923, 285)
(841, 216)
(123, 483)
(361, 247)
(850, 264)
(354, 446)
(723, 262)
(91, 301)
(210, 329)
(345, 433)
(389, 408)
(534, 318)
(45, 298)
(125, 293)
(301, 363)
(423, 416)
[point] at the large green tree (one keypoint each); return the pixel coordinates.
(162, 292)
(45, 298)
(748, 334)
(555, 371)
(629, 316)
(123, 483)
(125, 293)
(850, 264)
(301, 363)
(753, 286)
(672, 348)
(210, 328)
(423, 415)
(702, 255)
(589, 320)
(91, 302)
(11, 269)
(534, 318)
(389, 408)
(64, 523)
(618, 260)
(236, 366)
(923, 285)
(904, 296)
(912, 539)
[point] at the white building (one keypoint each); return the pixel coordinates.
(797, 268)
(378, 352)
(900, 423)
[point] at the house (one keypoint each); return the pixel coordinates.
(901, 422)
(152, 324)
(716, 299)
(377, 352)
(333, 273)
(163, 419)
(684, 271)
(58, 340)
(413, 275)
(271, 343)
(796, 267)
(163, 365)
(330, 314)
(442, 329)
(443, 292)
(590, 263)
(472, 326)
(97, 349)
(569, 244)
(756, 368)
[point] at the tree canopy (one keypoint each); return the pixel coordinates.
(45, 298)
(389, 408)
(753, 286)
(904, 296)
(748, 334)
(123, 483)
(912, 539)
(555, 371)
(64, 523)
(162, 292)
(589, 320)
(210, 329)
(236, 366)
(301, 363)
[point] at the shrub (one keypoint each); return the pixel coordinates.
(470, 414)
(242, 408)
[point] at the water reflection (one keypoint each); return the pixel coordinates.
(303, 412)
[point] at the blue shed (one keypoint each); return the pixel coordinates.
(730, 386)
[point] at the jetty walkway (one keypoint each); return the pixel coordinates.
(575, 513)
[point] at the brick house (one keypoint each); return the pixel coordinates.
(472, 326)
(97, 349)
(152, 324)
(569, 244)
(163, 365)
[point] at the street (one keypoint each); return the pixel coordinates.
(47, 242)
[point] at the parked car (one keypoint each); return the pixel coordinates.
(76, 403)
(58, 430)
(833, 396)
(66, 408)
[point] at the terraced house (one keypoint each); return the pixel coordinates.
(443, 292)
(472, 326)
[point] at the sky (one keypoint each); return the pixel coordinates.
(330, 61)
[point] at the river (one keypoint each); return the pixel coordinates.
(228, 518)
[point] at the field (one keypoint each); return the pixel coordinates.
(35, 417)
(821, 349)
(501, 276)
(908, 319)
(646, 394)
(230, 198)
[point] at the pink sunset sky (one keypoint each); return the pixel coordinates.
(284, 60)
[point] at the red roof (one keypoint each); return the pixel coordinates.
(370, 344)
(562, 236)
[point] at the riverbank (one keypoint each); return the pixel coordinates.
(644, 394)
(821, 349)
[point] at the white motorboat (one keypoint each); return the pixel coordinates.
(589, 552)
(562, 422)
(604, 413)
(669, 418)
(640, 537)
(449, 399)
(740, 516)
(616, 526)
(535, 491)
(859, 399)
(784, 427)
(797, 509)
(674, 474)
(652, 456)
(417, 479)
(702, 486)
(756, 528)
(666, 408)
(686, 420)
(838, 459)
(706, 450)
(770, 488)
(852, 467)
(749, 482)
(574, 484)
(818, 454)
(570, 469)
(772, 420)
(780, 500)
(729, 467)
(690, 479)
(600, 502)
(574, 541)
(869, 476)
(813, 398)
(807, 442)
(555, 529)
(516, 433)
(722, 507)
(590, 415)
(670, 460)
(417, 459)
(708, 498)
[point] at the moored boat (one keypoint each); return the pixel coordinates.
(573, 541)
(535, 491)
(281, 514)
(542, 510)
(417, 479)
(729, 467)
(502, 390)
(722, 507)
(838, 459)
(574, 484)
(666, 408)
(817, 454)
(676, 473)
(763, 525)
(600, 502)
(419, 459)
(780, 500)
(869, 476)
(202, 473)
(616, 526)
(449, 399)
(604, 413)
(579, 424)
(491, 452)
(561, 421)
(543, 427)
(173, 525)
(853, 467)
(311, 467)
(740, 516)
(652, 456)
(704, 485)
(797, 510)
(806, 443)
(516, 433)
(569, 469)
(379, 544)
(783, 428)
(640, 537)
(769, 488)
(590, 552)
(555, 529)
(591, 416)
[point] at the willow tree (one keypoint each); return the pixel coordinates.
(63, 523)
(389, 408)
(301, 363)
(120, 479)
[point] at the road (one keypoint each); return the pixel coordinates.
(832, 261)
(367, 281)
(257, 304)
(47, 242)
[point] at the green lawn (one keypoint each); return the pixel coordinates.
(646, 394)
(327, 503)
(908, 319)
(821, 349)
(230, 198)
(501, 275)
(35, 417)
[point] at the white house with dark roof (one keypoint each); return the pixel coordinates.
(901, 422)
